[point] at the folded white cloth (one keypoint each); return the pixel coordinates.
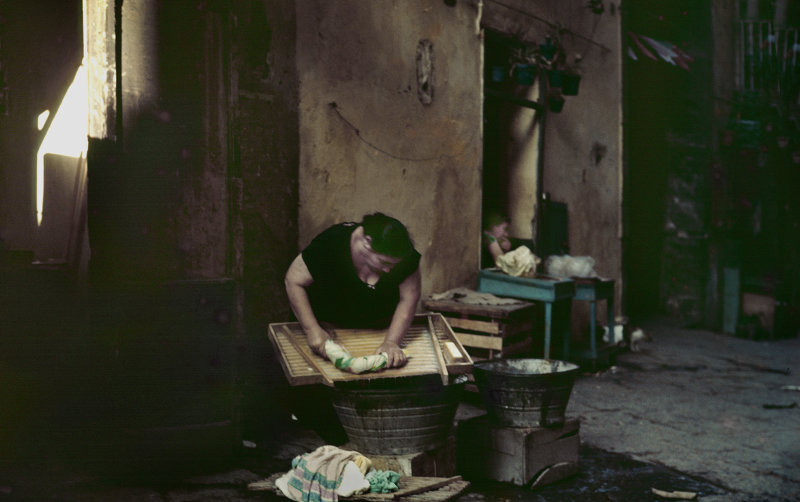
(518, 262)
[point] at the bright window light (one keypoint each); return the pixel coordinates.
(67, 132)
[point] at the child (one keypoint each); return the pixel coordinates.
(495, 237)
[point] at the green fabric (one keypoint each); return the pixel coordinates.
(382, 481)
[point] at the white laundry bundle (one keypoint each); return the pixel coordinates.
(518, 262)
(342, 359)
(570, 266)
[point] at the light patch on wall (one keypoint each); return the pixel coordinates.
(67, 133)
(42, 120)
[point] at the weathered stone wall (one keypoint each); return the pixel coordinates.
(369, 141)
(264, 167)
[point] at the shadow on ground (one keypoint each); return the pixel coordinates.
(603, 476)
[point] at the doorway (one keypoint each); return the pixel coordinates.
(512, 141)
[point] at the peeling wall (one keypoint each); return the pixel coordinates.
(368, 140)
(264, 144)
(162, 208)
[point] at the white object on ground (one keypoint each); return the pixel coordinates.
(353, 481)
(637, 336)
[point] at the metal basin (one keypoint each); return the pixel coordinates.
(525, 392)
(397, 416)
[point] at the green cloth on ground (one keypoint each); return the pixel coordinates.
(382, 481)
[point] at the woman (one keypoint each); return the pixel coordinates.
(357, 275)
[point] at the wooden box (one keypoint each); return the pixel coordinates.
(430, 342)
(521, 455)
(439, 461)
(489, 331)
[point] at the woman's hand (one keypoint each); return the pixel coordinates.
(316, 340)
(395, 355)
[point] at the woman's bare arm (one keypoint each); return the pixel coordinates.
(297, 279)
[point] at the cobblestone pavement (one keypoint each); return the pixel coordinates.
(708, 405)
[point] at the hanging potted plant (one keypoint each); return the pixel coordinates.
(571, 77)
(524, 64)
(498, 73)
(555, 100)
(549, 55)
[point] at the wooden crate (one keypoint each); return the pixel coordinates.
(525, 456)
(489, 331)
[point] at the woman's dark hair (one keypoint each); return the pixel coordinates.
(389, 236)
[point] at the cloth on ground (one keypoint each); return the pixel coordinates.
(318, 476)
(342, 359)
(468, 296)
(353, 481)
(519, 262)
(382, 481)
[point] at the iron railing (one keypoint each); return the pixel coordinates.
(768, 58)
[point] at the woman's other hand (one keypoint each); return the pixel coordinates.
(395, 355)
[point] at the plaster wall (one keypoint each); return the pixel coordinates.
(165, 205)
(369, 143)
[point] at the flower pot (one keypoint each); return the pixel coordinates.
(555, 77)
(525, 74)
(547, 50)
(570, 83)
(555, 103)
(498, 73)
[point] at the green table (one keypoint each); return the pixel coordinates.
(547, 290)
(592, 289)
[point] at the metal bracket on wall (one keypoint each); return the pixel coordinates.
(425, 71)
(491, 93)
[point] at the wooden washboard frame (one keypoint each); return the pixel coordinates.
(302, 367)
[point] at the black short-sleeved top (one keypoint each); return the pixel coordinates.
(337, 295)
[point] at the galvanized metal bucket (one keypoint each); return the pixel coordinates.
(397, 416)
(525, 392)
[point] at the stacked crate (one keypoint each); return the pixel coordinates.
(489, 331)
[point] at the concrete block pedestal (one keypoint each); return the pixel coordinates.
(525, 456)
(438, 462)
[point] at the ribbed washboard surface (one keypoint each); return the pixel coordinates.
(425, 357)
